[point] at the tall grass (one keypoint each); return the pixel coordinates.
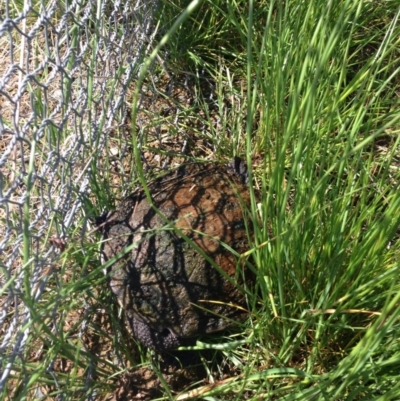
(322, 123)
(308, 93)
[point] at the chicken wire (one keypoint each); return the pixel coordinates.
(65, 71)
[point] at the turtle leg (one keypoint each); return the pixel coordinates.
(150, 338)
(239, 167)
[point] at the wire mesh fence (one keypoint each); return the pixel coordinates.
(65, 71)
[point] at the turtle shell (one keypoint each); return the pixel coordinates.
(175, 271)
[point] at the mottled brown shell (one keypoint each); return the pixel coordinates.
(160, 278)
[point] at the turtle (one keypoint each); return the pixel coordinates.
(174, 265)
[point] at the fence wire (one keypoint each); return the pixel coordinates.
(65, 71)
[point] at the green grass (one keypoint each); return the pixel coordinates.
(308, 93)
(321, 114)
